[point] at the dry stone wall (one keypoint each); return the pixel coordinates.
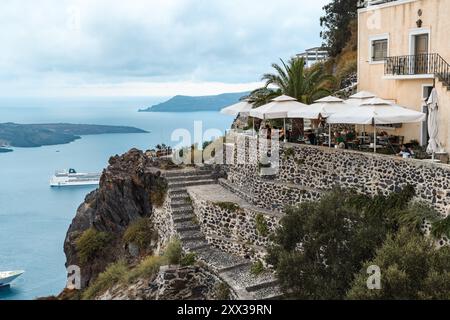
(304, 172)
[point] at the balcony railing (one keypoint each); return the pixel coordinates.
(421, 64)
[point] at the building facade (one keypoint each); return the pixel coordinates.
(403, 51)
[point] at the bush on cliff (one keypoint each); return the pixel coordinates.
(411, 268)
(91, 244)
(113, 274)
(321, 245)
(147, 268)
(173, 252)
(141, 233)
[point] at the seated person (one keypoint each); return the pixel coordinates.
(312, 137)
(339, 139)
(405, 152)
(282, 134)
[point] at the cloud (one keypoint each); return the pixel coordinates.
(57, 45)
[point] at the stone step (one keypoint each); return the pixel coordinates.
(180, 204)
(186, 226)
(179, 185)
(242, 278)
(194, 245)
(182, 210)
(218, 260)
(268, 293)
(190, 235)
(197, 177)
(184, 173)
(184, 217)
(180, 195)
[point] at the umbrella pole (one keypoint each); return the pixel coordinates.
(329, 135)
(284, 129)
(374, 138)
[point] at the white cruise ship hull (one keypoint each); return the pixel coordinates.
(68, 179)
(7, 277)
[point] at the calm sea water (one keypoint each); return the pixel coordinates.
(33, 217)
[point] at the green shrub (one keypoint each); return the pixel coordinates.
(321, 245)
(261, 225)
(106, 280)
(147, 268)
(411, 268)
(188, 259)
(91, 244)
(222, 291)
(441, 227)
(140, 233)
(229, 206)
(173, 252)
(257, 268)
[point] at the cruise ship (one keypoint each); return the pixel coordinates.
(9, 276)
(66, 178)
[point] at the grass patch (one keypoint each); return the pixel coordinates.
(107, 279)
(173, 252)
(91, 244)
(146, 269)
(222, 291)
(188, 259)
(158, 193)
(257, 268)
(261, 225)
(140, 233)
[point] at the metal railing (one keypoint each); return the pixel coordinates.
(421, 64)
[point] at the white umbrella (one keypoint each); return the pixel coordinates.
(278, 108)
(377, 111)
(242, 107)
(433, 128)
(323, 108)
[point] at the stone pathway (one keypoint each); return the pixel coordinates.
(233, 269)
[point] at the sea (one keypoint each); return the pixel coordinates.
(34, 218)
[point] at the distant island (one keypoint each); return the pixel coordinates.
(38, 135)
(195, 104)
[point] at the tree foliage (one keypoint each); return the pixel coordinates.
(321, 245)
(412, 268)
(336, 22)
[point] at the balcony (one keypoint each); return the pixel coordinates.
(422, 66)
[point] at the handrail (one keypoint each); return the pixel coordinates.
(408, 65)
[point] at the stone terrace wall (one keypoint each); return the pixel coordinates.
(163, 221)
(233, 231)
(306, 171)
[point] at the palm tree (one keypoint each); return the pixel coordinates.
(296, 80)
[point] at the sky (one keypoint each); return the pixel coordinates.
(52, 48)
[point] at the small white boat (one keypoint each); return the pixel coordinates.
(9, 276)
(68, 178)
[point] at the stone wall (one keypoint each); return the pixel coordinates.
(186, 283)
(306, 171)
(234, 230)
(163, 222)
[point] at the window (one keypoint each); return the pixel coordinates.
(379, 50)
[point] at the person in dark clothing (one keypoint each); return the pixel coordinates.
(312, 138)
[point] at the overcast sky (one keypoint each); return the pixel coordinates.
(148, 47)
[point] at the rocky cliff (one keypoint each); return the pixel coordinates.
(128, 188)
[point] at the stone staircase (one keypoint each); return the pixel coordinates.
(234, 270)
